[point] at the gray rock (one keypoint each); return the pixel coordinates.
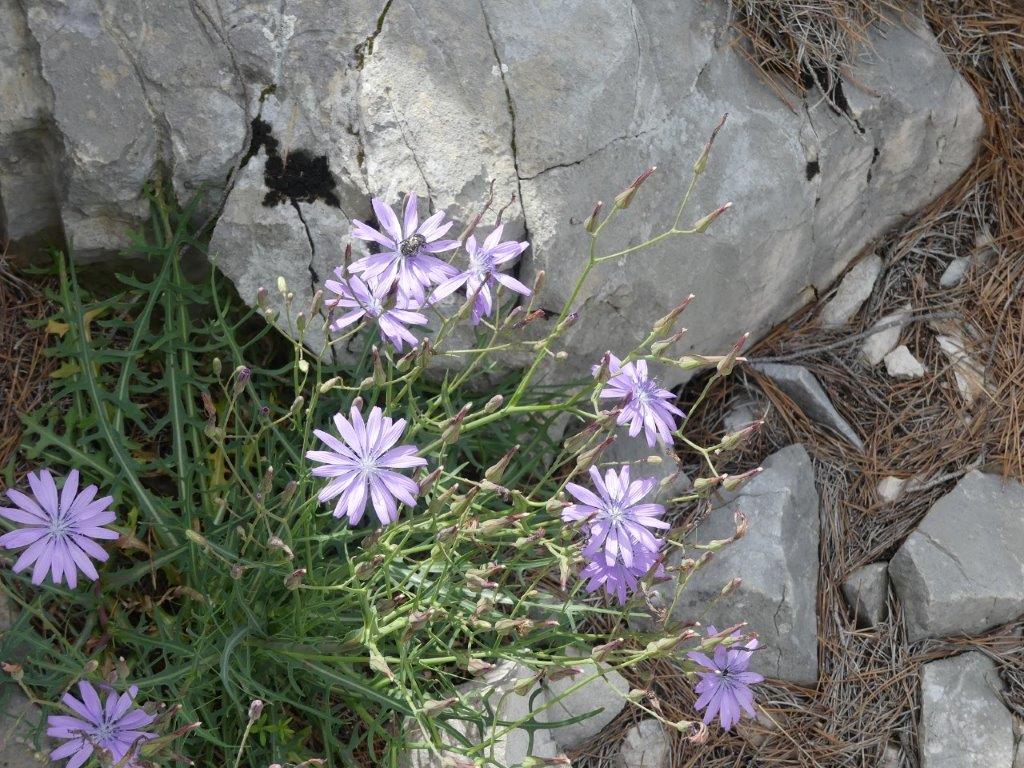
(19, 718)
(884, 340)
(954, 272)
(961, 571)
(901, 364)
(495, 689)
(646, 746)
(742, 415)
(867, 592)
(114, 91)
(964, 723)
(777, 561)
(604, 696)
(657, 462)
(803, 388)
(853, 291)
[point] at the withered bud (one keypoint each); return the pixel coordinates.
(702, 224)
(276, 543)
(366, 568)
(664, 325)
(587, 458)
(601, 374)
(726, 364)
(379, 377)
(555, 506)
(636, 695)
(451, 431)
(732, 482)
(346, 258)
(297, 404)
(601, 652)
(732, 586)
(512, 320)
(538, 281)
(428, 482)
(266, 482)
(625, 197)
(236, 571)
(537, 314)
(295, 578)
(591, 223)
(707, 484)
(478, 666)
(660, 346)
(317, 303)
(702, 161)
(331, 383)
(495, 472)
(691, 362)
(289, 490)
(366, 383)
(494, 404)
(568, 322)
(432, 706)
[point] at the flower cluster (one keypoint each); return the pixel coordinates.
(388, 288)
(114, 727)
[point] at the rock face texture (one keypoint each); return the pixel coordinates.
(962, 570)
(777, 561)
(646, 746)
(964, 723)
(805, 390)
(866, 591)
(560, 104)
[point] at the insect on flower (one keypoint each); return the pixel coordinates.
(407, 249)
(372, 301)
(364, 466)
(485, 259)
(647, 406)
(114, 727)
(58, 531)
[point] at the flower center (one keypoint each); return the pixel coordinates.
(104, 732)
(59, 527)
(616, 513)
(367, 464)
(411, 244)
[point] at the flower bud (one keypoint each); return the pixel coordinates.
(568, 322)
(379, 377)
(691, 362)
(432, 706)
(702, 161)
(538, 281)
(294, 579)
(733, 482)
(660, 346)
(300, 321)
(591, 223)
(707, 484)
(495, 472)
(266, 482)
(276, 543)
(331, 383)
(366, 383)
(664, 325)
(216, 366)
(625, 197)
(428, 482)
(702, 224)
(262, 297)
(636, 695)
(587, 458)
(451, 431)
(282, 286)
(317, 303)
(725, 365)
(242, 374)
(601, 652)
(236, 571)
(494, 404)
(477, 666)
(255, 710)
(297, 404)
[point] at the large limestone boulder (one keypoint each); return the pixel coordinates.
(560, 104)
(962, 570)
(777, 562)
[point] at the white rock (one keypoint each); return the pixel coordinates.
(964, 723)
(853, 291)
(955, 272)
(889, 488)
(967, 373)
(901, 364)
(883, 341)
(646, 745)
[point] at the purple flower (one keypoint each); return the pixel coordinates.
(407, 249)
(647, 407)
(618, 524)
(114, 727)
(724, 687)
(618, 579)
(372, 303)
(483, 273)
(59, 531)
(363, 465)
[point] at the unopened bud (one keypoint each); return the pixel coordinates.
(660, 346)
(702, 224)
(732, 586)
(428, 482)
(477, 666)
(300, 321)
(266, 482)
(591, 223)
(317, 303)
(568, 322)
(705, 484)
(691, 362)
(726, 364)
(255, 710)
(664, 325)
(432, 706)
(197, 538)
(625, 197)
(297, 404)
(702, 161)
(216, 366)
(495, 472)
(604, 368)
(303, 366)
(379, 377)
(601, 652)
(242, 374)
(587, 458)
(262, 297)
(282, 286)
(538, 281)
(366, 383)
(733, 482)
(454, 426)
(331, 383)
(494, 404)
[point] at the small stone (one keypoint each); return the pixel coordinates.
(801, 386)
(867, 592)
(889, 488)
(646, 745)
(776, 561)
(901, 364)
(964, 723)
(604, 696)
(853, 291)
(882, 342)
(961, 571)
(955, 272)
(890, 757)
(969, 380)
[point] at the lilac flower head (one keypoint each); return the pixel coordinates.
(618, 579)
(618, 524)
(724, 686)
(113, 726)
(59, 531)
(363, 465)
(372, 302)
(648, 406)
(484, 261)
(407, 249)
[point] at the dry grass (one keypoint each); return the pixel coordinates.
(867, 697)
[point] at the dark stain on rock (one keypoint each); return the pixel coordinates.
(296, 176)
